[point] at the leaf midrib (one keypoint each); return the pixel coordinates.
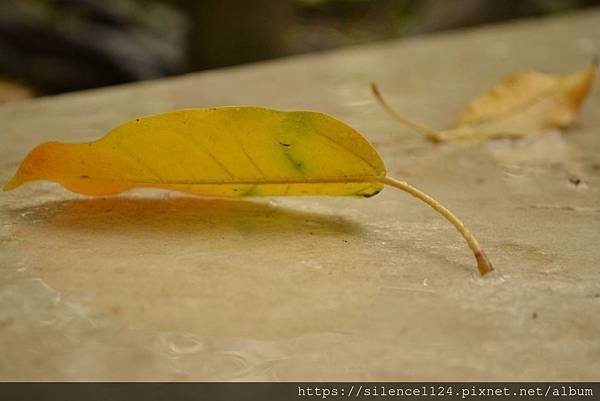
(270, 181)
(513, 111)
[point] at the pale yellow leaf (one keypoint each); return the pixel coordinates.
(523, 103)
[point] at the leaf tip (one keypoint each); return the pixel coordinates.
(12, 184)
(483, 263)
(374, 89)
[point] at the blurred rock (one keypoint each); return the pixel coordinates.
(229, 32)
(64, 45)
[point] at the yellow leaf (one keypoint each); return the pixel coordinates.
(227, 152)
(523, 103)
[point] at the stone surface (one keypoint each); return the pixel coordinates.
(156, 285)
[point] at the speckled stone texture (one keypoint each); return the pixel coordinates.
(158, 285)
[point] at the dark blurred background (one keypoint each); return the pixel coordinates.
(55, 46)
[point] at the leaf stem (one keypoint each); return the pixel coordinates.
(483, 264)
(429, 133)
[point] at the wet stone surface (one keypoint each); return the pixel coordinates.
(157, 285)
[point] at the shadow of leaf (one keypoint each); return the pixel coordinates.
(181, 215)
(207, 267)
